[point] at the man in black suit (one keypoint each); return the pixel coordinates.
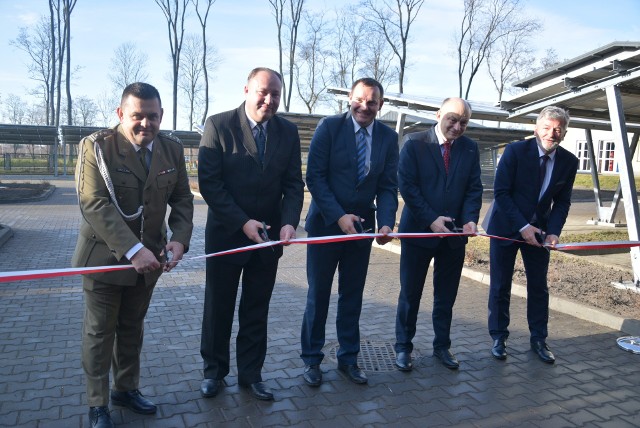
(439, 180)
(249, 172)
(532, 192)
(353, 162)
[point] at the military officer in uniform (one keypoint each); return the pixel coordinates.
(126, 177)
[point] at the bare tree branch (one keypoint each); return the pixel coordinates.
(484, 23)
(393, 18)
(128, 65)
(174, 11)
(202, 17)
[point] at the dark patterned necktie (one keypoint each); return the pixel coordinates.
(446, 155)
(543, 169)
(361, 150)
(144, 159)
(261, 141)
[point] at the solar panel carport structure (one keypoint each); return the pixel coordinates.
(601, 89)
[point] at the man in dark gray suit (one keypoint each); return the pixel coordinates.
(249, 171)
(345, 184)
(439, 180)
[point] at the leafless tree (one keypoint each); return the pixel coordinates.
(85, 112)
(36, 114)
(483, 24)
(128, 65)
(346, 37)
(68, 6)
(174, 11)
(15, 110)
(202, 17)
(106, 105)
(393, 18)
(192, 76)
(312, 62)
(550, 59)
(509, 58)
(291, 23)
(37, 45)
(378, 60)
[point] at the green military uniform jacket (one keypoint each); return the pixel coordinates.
(105, 236)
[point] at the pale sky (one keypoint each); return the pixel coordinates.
(244, 33)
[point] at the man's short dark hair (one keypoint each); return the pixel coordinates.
(257, 70)
(369, 82)
(141, 90)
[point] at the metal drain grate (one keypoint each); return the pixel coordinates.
(374, 356)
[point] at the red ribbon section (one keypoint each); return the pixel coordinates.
(52, 273)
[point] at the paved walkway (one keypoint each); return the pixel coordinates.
(593, 382)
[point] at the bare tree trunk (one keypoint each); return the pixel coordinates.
(203, 25)
(296, 15)
(278, 10)
(395, 24)
(68, 8)
(52, 81)
(175, 26)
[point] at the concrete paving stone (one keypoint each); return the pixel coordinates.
(607, 411)
(634, 420)
(584, 417)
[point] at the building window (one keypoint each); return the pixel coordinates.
(606, 156)
(583, 156)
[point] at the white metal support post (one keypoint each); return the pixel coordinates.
(627, 181)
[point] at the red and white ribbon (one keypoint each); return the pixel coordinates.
(52, 273)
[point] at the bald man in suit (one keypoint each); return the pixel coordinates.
(439, 180)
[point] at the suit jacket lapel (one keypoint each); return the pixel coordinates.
(349, 140)
(534, 166)
(376, 147)
(434, 149)
(273, 140)
(245, 135)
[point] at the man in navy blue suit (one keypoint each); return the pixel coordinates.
(351, 168)
(532, 192)
(439, 180)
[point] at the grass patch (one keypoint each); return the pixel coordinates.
(607, 182)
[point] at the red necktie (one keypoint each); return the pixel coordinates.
(446, 155)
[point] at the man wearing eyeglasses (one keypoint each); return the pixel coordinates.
(532, 192)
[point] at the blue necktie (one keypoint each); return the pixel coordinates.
(361, 149)
(261, 141)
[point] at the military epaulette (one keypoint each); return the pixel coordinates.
(169, 136)
(101, 135)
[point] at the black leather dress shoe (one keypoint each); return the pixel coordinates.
(134, 401)
(354, 373)
(99, 417)
(447, 358)
(543, 351)
(499, 350)
(209, 387)
(312, 375)
(403, 361)
(260, 391)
